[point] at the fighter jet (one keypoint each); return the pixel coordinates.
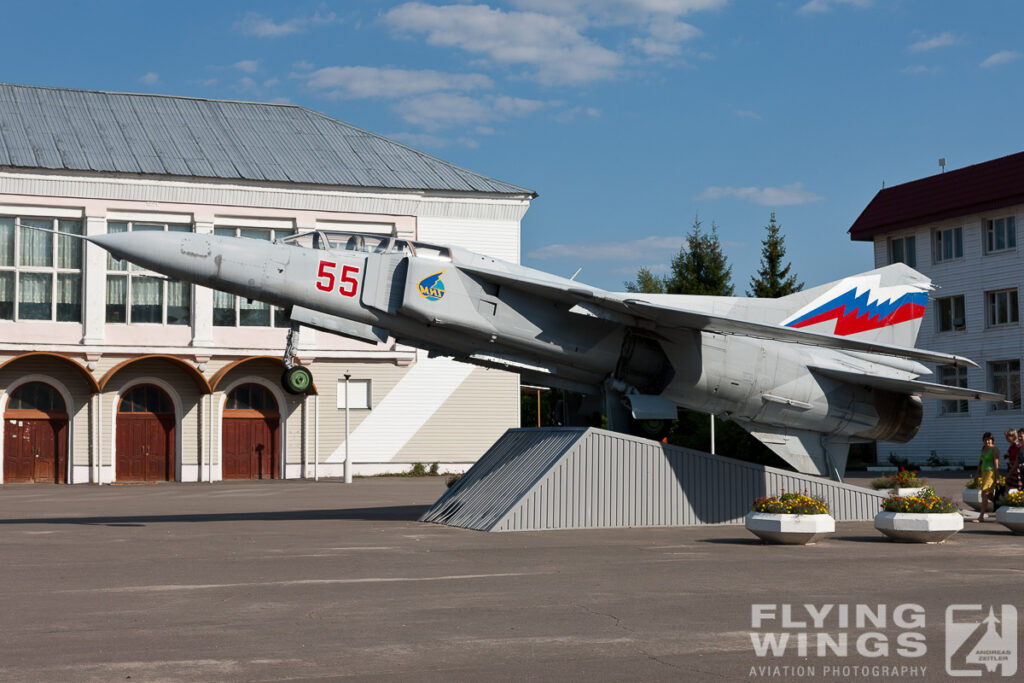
(807, 374)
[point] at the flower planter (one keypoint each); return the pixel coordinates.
(1012, 518)
(789, 529)
(907, 493)
(919, 527)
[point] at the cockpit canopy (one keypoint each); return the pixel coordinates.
(366, 243)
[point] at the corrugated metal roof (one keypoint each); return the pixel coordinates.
(584, 478)
(973, 189)
(80, 130)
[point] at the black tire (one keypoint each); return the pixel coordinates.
(656, 430)
(297, 380)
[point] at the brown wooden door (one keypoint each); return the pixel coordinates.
(35, 450)
(250, 448)
(145, 447)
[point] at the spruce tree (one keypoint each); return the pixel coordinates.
(700, 267)
(773, 280)
(646, 283)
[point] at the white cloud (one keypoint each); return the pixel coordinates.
(665, 38)
(255, 24)
(353, 82)
(819, 6)
(787, 195)
(150, 78)
(648, 248)
(747, 114)
(303, 65)
(249, 66)
(442, 110)
(550, 45)
(427, 141)
(1001, 57)
(918, 69)
(942, 40)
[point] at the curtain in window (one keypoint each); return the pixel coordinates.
(178, 300)
(255, 314)
(36, 247)
(113, 263)
(117, 292)
(35, 295)
(69, 249)
(147, 300)
(7, 296)
(223, 309)
(69, 297)
(6, 241)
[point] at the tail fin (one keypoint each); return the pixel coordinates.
(884, 305)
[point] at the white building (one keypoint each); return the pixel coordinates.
(108, 373)
(960, 229)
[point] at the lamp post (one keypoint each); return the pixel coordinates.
(348, 461)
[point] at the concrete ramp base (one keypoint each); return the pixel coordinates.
(587, 478)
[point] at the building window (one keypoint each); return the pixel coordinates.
(136, 295)
(359, 396)
(1000, 234)
(949, 244)
(1002, 307)
(952, 376)
(231, 311)
(1004, 378)
(903, 250)
(40, 272)
(950, 314)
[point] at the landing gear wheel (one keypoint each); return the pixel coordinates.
(655, 430)
(297, 380)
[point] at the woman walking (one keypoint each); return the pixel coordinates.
(988, 468)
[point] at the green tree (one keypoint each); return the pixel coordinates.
(700, 267)
(773, 280)
(646, 283)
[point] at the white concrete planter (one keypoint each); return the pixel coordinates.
(1011, 518)
(789, 529)
(972, 498)
(919, 527)
(905, 493)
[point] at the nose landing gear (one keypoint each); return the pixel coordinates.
(295, 379)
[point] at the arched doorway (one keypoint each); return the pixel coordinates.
(250, 428)
(145, 435)
(35, 436)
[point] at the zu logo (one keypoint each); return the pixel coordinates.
(431, 287)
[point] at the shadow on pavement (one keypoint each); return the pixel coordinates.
(407, 513)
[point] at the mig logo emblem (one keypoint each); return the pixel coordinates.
(432, 287)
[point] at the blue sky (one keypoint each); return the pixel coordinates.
(628, 117)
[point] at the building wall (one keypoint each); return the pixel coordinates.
(423, 410)
(956, 437)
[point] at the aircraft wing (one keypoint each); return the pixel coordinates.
(678, 318)
(908, 386)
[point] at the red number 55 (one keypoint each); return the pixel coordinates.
(325, 278)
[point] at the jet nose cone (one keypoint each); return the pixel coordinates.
(178, 254)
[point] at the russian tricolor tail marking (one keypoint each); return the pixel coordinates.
(862, 311)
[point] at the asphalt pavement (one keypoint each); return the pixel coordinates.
(296, 580)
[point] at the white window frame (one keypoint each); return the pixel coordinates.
(277, 315)
(949, 240)
(131, 273)
(1007, 373)
(1000, 229)
(1001, 307)
(953, 376)
(907, 247)
(54, 271)
(951, 308)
